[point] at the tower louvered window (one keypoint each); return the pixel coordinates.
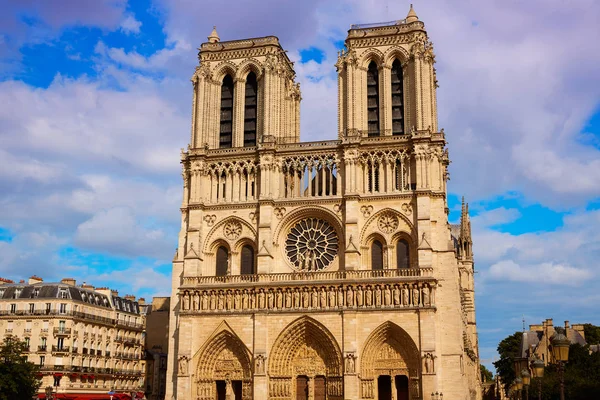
(226, 127)
(397, 99)
(402, 254)
(247, 259)
(250, 112)
(373, 99)
(222, 261)
(376, 255)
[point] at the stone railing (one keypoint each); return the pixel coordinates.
(325, 291)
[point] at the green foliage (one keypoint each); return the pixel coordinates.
(18, 377)
(508, 349)
(486, 374)
(592, 333)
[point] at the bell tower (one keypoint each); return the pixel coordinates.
(386, 79)
(244, 90)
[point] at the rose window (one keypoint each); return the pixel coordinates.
(311, 245)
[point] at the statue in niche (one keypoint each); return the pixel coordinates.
(288, 298)
(183, 365)
(220, 301)
(368, 296)
(377, 296)
(396, 295)
(260, 364)
(213, 300)
(186, 301)
(415, 293)
(349, 297)
(340, 297)
(261, 299)
(350, 363)
(305, 298)
(238, 300)
(196, 301)
(204, 300)
(270, 299)
(323, 298)
(245, 299)
(359, 297)
(279, 299)
(252, 296)
(387, 295)
(229, 300)
(296, 298)
(315, 298)
(331, 297)
(405, 296)
(425, 296)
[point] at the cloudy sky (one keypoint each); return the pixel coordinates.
(96, 98)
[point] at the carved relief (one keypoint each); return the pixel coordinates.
(279, 212)
(407, 208)
(210, 219)
(350, 363)
(366, 211)
(182, 366)
(253, 217)
(388, 222)
(232, 230)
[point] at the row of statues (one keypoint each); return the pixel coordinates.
(349, 296)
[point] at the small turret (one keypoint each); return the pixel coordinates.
(465, 240)
(214, 36)
(412, 15)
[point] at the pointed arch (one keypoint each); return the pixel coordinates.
(224, 68)
(305, 348)
(405, 225)
(370, 55)
(222, 357)
(247, 66)
(395, 53)
(389, 350)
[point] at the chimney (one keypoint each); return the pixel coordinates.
(33, 279)
(68, 281)
(5, 281)
(105, 291)
(86, 286)
(22, 281)
(115, 293)
(129, 297)
(141, 301)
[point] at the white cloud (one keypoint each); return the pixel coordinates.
(545, 273)
(130, 24)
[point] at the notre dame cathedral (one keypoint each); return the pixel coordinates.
(321, 270)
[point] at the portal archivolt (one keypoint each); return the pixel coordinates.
(305, 362)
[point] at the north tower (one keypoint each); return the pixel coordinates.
(320, 270)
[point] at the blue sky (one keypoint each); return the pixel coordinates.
(96, 105)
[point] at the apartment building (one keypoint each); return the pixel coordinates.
(85, 339)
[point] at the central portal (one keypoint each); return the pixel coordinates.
(385, 389)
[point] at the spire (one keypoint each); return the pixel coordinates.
(465, 221)
(412, 15)
(214, 36)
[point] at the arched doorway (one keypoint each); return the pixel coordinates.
(390, 366)
(306, 363)
(224, 369)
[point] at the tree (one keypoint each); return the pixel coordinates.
(592, 333)
(508, 349)
(18, 377)
(486, 374)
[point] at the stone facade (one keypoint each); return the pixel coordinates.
(157, 344)
(320, 270)
(85, 339)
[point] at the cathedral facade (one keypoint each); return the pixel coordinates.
(320, 270)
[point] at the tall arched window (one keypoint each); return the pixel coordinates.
(250, 112)
(373, 99)
(376, 255)
(402, 254)
(226, 129)
(397, 99)
(222, 261)
(247, 260)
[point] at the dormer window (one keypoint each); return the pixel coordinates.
(62, 294)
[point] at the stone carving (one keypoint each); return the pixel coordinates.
(407, 208)
(253, 217)
(279, 212)
(387, 222)
(366, 211)
(429, 363)
(183, 365)
(312, 245)
(260, 364)
(232, 230)
(210, 219)
(307, 297)
(350, 363)
(338, 208)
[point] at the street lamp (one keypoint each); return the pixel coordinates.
(537, 366)
(526, 380)
(560, 352)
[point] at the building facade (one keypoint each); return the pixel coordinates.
(320, 270)
(157, 345)
(85, 339)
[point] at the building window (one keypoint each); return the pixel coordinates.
(402, 254)
(247, 260)
(250, 111)
(397, 99)
(13, 308)
(63, 293)
(57, 381)
(63, 308)
(222, 261)
(31, 307)
(226, 128)
(48, 305)
(376, 255)
(27, 342)
(373, 99)
(42, 360)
